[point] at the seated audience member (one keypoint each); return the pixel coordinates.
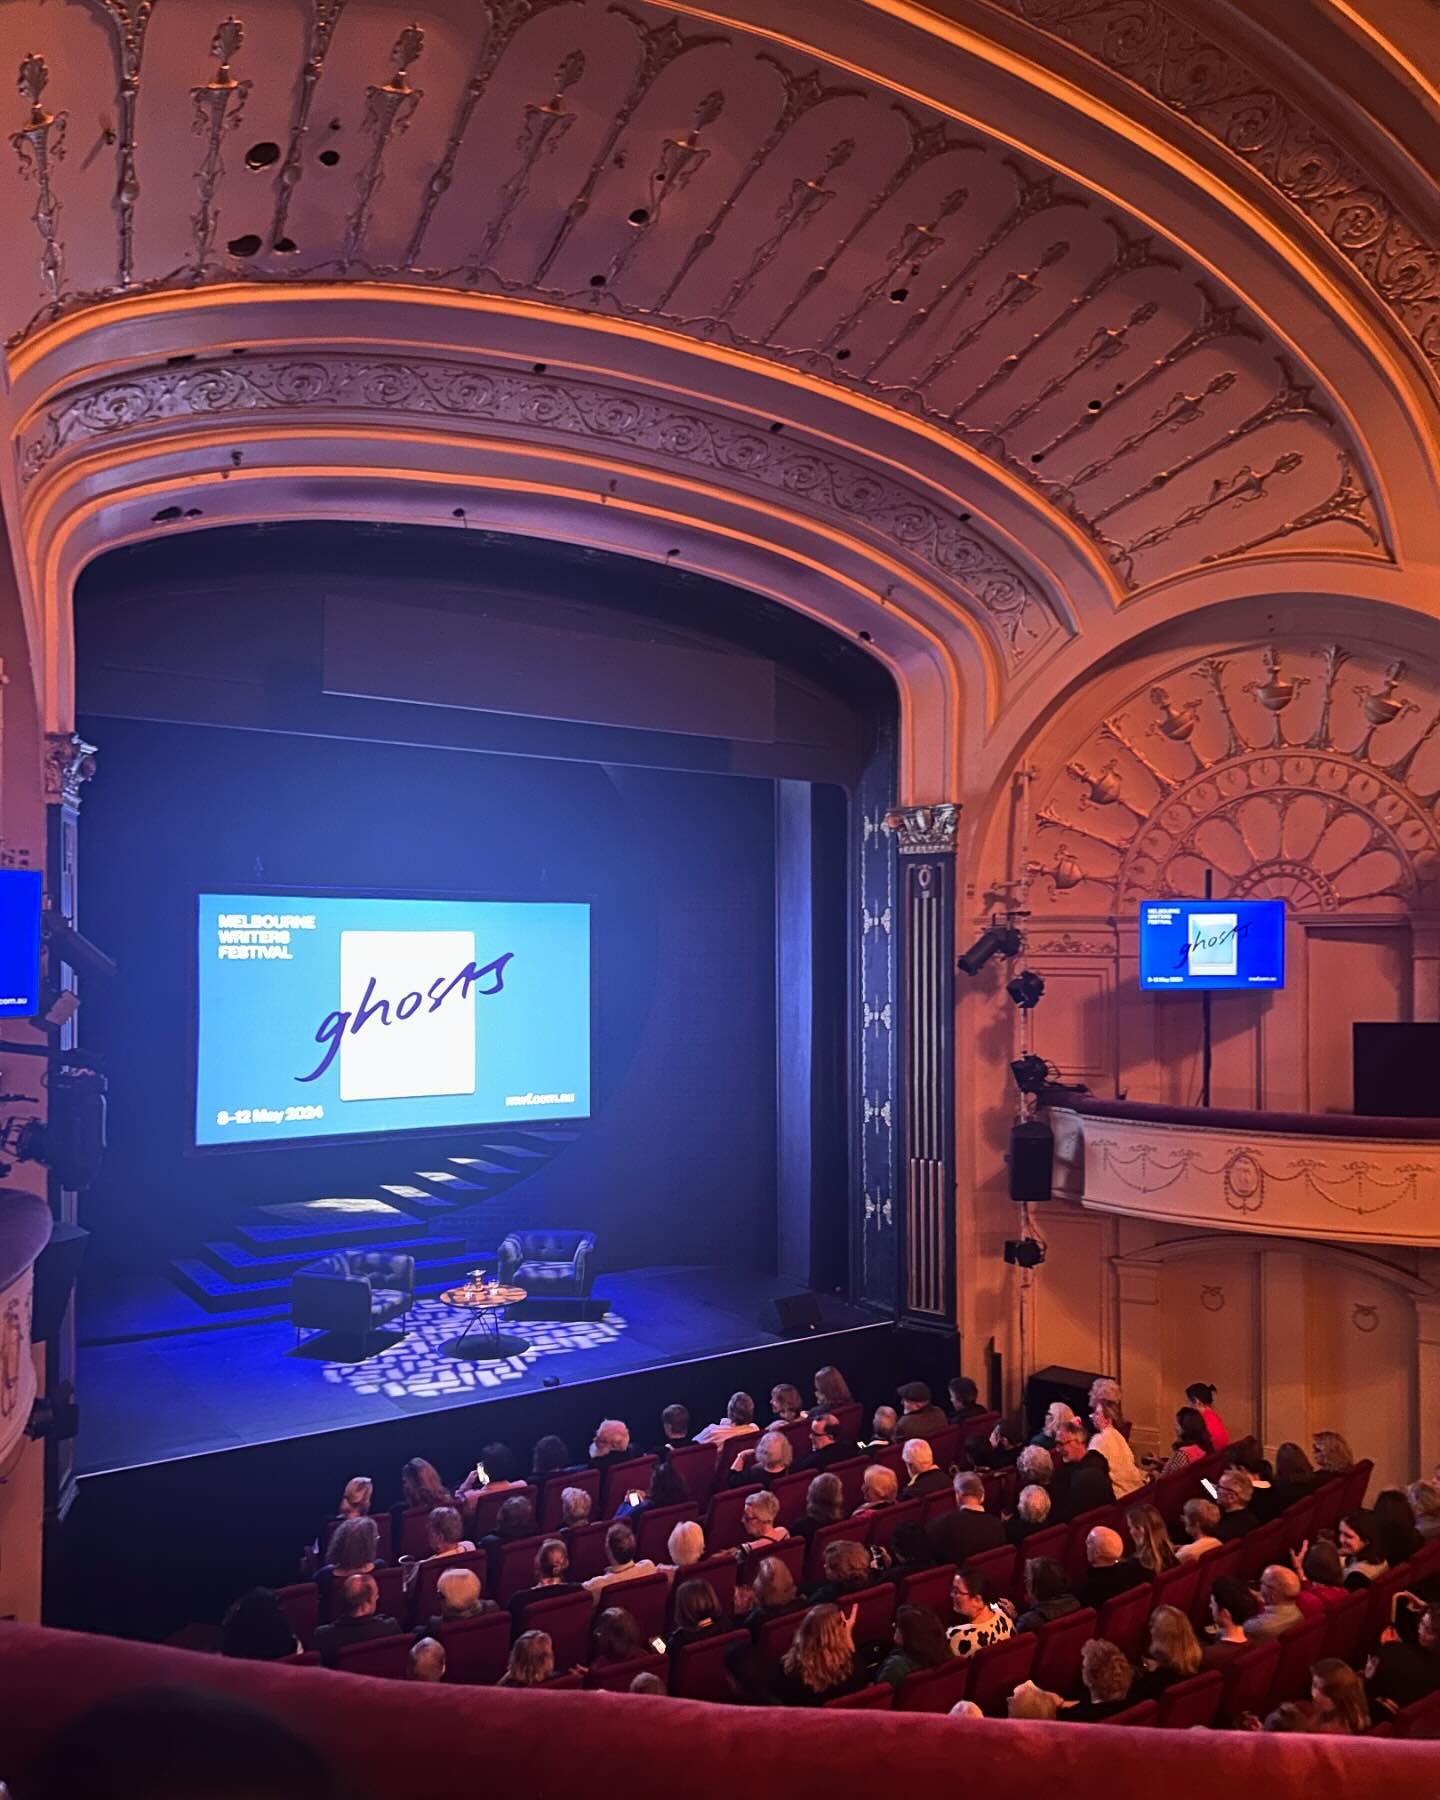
(1424, 1498)
(1359, 1543)
(647, 1683)
(550, 1455)
(615, 1637)
(1294, 1478)
(623, 1565)
(1031, 1702)
(847, 1571)
(461, 1595)
(1399, 1674)
(787, 1404)
(1034, 1466)
(445, 1534)
(827, 1447)
(964, 1400)
(882, 1427)
(924, 1478)
(759, 1522)
(685, 1547)
(357, 1620)
(1103, 1388)
(427, 1660)
(256, 1628)
(969, 1530)
(1246, 1457)
(665, 1488)
(1233, 1493)
(879, 1489)
(1288, 1716)
(739, 1422)
(1201, 1395)
(502, 1471)
(831, 1389)
(552, 1578)
(764, 1465)
(821, 1661)
(1322, 1577)
(1395, 1527)
(575, 1505)
(965, 1709)
(1032, 1514)
(515, 1520)
(1200, 1517)
(982, 1622)
(1057, 1413)
(1107, 1677)
(1279, 1593)
(1192, 1441)
(910, 1551)
(1331, 1454)
(1003, 1446)
(357, 1499)
(351, 1551)
(611, 1446)
(697, 1615)
(1232, 1606)
(919, 1415)
(1173, 1654)
(532, 1661)
(918, 1643)
(1126, 1475)
(674, 1429)
(1082, 1476)
(1337, 1699)
(772, 1593)
(1047, 1594)
(824, 1505)
(421, 1485)
(1111, 1571)
(1153, 1549)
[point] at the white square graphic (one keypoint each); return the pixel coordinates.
(429, 1052)
(1214, 944)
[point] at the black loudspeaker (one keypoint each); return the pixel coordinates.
(1046, 1385)
(795, 1315)
(1032, 1161)
(75, 1128)
(55, 1270)
(1395, 1069)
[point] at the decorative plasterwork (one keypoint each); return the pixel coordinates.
(1353, 1190)
(1220, 94)
(69, 763)
(991, 585)
(924, 830)
(698, 182)
(1304, 774)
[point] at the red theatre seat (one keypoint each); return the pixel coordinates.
(514, 1569)
(848, 1531)
(790, 1551)
(1178, 1587)
(1058, 1648)
(622, 1479)
(586, 1544)
(616, 1677)
(723, 1525)
(653, 1528)
(1191, 1703)
(720, 1571)
(568, 1621)
(878, 1698)
(421, 1600)
(874, 1614)
(645, 1599)
(698, 1672)
(695, 1465)
(389, 1656)
(476, 1650)
(996, 1672)
(1145, 1713)
(1247, 1682)
(302, 1608)
(1301, 1646)
(482, 1517)
(934, 1690)
(775, 1638)
(552, 1502)
(1000, 1565)
(1125, 1619)
(929, 1587)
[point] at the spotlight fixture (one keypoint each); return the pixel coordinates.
(1026, 990)
(1032, 1074)
(997, 940)
(1024, 1253)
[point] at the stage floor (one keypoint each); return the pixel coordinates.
(190, 1392)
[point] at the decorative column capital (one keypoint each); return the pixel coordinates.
(925, 830)
(69, 764)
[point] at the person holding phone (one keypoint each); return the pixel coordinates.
(1401, 1672)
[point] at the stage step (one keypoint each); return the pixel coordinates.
(217, 1294)
(237, 1263)
(274, 1229)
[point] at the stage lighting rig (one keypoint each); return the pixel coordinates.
(1024, 1253)
(1026, 990)
(996, 940)
(1032, 1074)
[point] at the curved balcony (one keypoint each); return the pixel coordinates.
(24, 1232)
(1333, 1175)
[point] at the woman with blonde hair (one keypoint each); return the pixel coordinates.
(1332, 1453)
(771, 1593)
(1424, 1498)
(1057, 1413)
(421, 1484)
(1126, 1475)
(1337, 1696)
(820, 1662)
(532, 1661)
(356, 1500)
(1153, 1549)
(1173, 1655)
(1201, 1516)
(685, 1547)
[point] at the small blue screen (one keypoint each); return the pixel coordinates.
(326, 1016)
(20, 894)
(1189, 944)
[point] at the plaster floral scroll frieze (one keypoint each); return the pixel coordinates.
(991, 585)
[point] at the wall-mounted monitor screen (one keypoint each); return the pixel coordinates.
(20, 902)
(323, 1016)
(1190, 944)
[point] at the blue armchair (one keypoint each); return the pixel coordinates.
(548, 1264)
(351, 1292)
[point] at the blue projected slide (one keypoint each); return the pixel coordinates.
(19, 943)
(1212, 944)
(326, 1016)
